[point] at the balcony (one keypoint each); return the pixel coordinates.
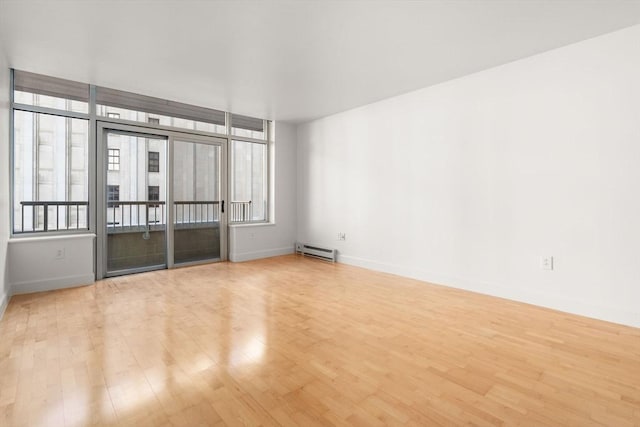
(126, 216)
(136, 229)
(136, 232)
(47, 216)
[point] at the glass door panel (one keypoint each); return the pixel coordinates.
(135, 203)
(197, 201)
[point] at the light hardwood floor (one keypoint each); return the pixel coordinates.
(295, 341)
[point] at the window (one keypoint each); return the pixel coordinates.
(154, 195)
(113, 195)
(51, 163)
(50, 173)
(248, 181)
(44, 91)
(247, 127)
(142, 108)
(114, 159)
(154, 161)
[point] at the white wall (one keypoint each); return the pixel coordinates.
(34, 264)
(278, 237)
(469, 182)
(4, 181)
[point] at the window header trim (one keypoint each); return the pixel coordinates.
(148, 104)
(24, 81)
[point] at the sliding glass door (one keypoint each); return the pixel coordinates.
(135, 206)
(160, 199)
(197, 200)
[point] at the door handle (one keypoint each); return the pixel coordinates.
(223, 206)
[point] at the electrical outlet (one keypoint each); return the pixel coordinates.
(60, 253)
(546, 263)
(342, 236)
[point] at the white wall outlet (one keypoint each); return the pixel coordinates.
(342, 236)
(546, 263)
(60, 253)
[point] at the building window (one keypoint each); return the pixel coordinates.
(114, 159)
(154, 162)
(154, 120)
(113, 195)
(154, 195)
(248, 181)
(113, 115)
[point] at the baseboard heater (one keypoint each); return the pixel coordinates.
(316, 252)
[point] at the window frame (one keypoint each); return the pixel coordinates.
(93, 119)
(115, 156)
(67, 114)
(156, 192)
(110, 192)
(238, 132)
(155, 160)
(268, 141)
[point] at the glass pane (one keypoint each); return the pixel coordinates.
(196, 189)
(157, 119)
(50, 102)
(248, 127)
(51, 173)
(248, 182)
(136, 202)
(51, 92)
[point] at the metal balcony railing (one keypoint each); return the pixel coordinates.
(196, 214)
(125, 216)
(48, 215)
(129, 216)
(240, 211)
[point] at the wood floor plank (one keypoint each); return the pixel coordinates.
(298, 342)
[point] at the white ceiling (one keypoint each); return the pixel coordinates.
(290, 60)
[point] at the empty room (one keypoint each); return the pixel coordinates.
(319, 213)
